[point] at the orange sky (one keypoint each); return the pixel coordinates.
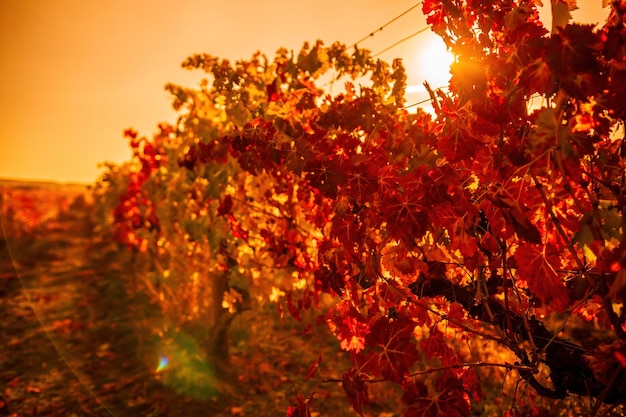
(76, 73)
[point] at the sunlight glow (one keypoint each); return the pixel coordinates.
(434, 63)
(412, 89)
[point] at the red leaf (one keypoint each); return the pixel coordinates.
(471, 384)
(537, 265)
(536, 76)
(356, 390)
(237, 229)
(226, 206)
(292, 307)
(349, 327)
(14, 382)
(314, 367)
(447, 399)
(463, 241)
(300, 410)
(415, 395)
(406, 215)
(393, 351)
(513, 213)
(456, 144)
(456, 312)
(130, 133)
(435, 346)
(325, 174)
(272, 91)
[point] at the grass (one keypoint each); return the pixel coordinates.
(76, 341)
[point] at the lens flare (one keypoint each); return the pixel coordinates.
(163, 362)
(184, 367)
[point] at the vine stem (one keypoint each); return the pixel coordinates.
(507, 316)
(508, 366)
(609, 385)
(444, 316)
(478, 364)
(565, 238)
(557, 224)
(482, 282)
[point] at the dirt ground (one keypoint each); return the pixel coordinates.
(71, 342)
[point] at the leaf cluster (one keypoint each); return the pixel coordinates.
(493, 219)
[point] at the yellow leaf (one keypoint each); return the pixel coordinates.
(560, 15)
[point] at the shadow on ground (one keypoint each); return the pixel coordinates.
(75, 342)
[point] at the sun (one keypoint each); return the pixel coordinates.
(434, 62)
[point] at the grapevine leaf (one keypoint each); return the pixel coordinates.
(456, 143)
(471, 384)
(538, 266)
(226, 206)
(434, 346)
(448, 399)
(514, 215)
(394, 212)
(349, 327)
(302, 409)
(392, 351)
(314, 367)
(356, 389)
(560, 15)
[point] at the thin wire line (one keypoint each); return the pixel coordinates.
(386, 24)
(426, 100)
(416, 104)
(41, 324)
(422, 30)
(331, 82)
(449, 92)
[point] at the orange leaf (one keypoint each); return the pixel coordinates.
(33, 390)
(537, 265)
